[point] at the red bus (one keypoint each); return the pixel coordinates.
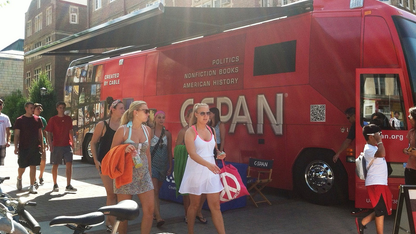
(282, 87)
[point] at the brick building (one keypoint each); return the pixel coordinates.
(11, 68)
(101, 11)
(48, 21)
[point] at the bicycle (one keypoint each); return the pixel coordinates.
(13, 215)
(123, 211)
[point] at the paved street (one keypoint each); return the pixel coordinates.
(285, 215)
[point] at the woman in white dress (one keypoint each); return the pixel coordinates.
(201, 173)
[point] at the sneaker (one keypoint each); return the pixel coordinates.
(360, 226)
(19, 184)
(69, 188)
(41, 181)
(36, 185)
(55, 188)
(32, 189)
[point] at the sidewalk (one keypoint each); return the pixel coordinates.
(284, 216)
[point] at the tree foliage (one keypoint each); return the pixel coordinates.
(48, 100)
(14, 105)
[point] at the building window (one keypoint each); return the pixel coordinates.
(37, 74)
(48, 40)
(29, 28)
(73, 15)
(49, 16)
(112, 0)
(400, 2)
(38, 22)
(38, 3)
(97, 4)
(27, 80)
(266, 3)
(48, 71)
(414, 6)
(408, 4)
(285, 2)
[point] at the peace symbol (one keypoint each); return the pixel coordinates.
(227, 188)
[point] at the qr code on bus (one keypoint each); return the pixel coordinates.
(318, 113)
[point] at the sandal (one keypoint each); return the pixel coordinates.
(202, 219)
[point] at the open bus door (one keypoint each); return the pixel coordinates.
(380, 94)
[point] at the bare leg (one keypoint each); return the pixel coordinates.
(42, 167)
(192, 210)
(157, 185)
(55, 173)
(214, 206)
(111, 197)
(32, 173)
(20, 172)
(186, 203)
(199, 212)
(147, 201)
(122, 228)
(379, 224)
(68, 172)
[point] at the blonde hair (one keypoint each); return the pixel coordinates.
(192, 120)
(128, 115)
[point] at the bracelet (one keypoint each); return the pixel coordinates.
(379, 143)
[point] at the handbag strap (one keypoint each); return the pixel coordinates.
(223, 165)
(162, 134)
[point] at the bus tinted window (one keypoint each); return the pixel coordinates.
(275, 58)
(407, 33)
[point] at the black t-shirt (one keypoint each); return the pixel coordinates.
(351, 133)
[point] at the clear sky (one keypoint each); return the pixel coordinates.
(12, 21)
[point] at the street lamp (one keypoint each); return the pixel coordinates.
(43, 91)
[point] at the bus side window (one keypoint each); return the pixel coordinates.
(381, 97)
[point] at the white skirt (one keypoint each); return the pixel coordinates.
(198, 179)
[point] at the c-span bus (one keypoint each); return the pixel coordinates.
(282, 87)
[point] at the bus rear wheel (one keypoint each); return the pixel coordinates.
(86, 149)
(318, 179)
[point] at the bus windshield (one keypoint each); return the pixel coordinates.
(407, 33)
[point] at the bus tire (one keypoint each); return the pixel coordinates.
(318, 179)
(86, 149)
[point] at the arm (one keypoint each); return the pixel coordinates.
(16, 140)
(8, 137)
(222, 134)
(45, 135)
(149, 156)
(190, 146)
(169, 137)
(179, 138)
(381, 152)
(71, 137)
(40, 135)
(49, 137)
(96, 136)
(344, 146)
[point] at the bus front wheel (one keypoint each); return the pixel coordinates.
(318, 179)
(86, 149)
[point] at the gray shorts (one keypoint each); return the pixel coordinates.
(2, 154)
(60, 153)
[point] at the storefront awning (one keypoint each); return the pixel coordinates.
(157, 26)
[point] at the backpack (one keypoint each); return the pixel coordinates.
(361, 166)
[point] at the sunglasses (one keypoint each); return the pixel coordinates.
(372, 134)
(146, 111)
(204, 113)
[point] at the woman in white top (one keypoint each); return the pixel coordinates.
(201, 173)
